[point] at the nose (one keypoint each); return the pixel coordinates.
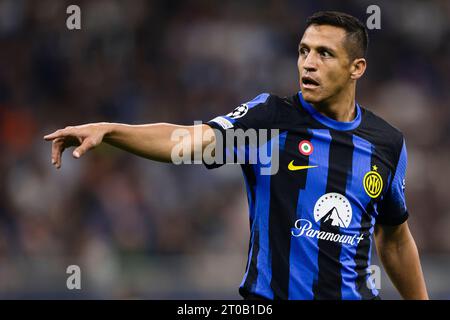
(310, 63)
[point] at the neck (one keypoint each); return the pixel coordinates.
(339, 108)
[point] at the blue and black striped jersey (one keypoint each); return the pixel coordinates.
(312, 221)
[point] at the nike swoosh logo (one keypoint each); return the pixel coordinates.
(293, 167)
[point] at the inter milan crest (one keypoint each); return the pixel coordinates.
(373, 183)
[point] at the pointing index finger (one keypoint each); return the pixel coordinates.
(57, 134)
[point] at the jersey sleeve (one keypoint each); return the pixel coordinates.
(253, 115)
(393, 209)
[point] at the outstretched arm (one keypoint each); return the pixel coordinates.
(151, 141)
(398, 253)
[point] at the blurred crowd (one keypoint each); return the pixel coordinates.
(119, 216)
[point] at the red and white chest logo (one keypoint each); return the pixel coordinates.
(305, 147)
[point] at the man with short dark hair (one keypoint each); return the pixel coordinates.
(340, 178)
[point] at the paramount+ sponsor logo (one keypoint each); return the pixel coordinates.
(333, 209)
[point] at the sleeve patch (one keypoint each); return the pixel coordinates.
(223, 122)
(239, 112)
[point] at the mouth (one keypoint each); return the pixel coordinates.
(309, 83)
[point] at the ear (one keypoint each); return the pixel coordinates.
(357, 68)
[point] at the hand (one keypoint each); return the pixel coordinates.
(84, 137)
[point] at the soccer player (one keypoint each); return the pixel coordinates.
(340, 178)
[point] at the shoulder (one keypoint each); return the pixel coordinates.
(271, 98)
(267, 98)
(380, 132)
(285, 100)
(269, 102)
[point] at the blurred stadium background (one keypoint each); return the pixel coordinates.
(146, 230)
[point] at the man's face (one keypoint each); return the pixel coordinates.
(323, 63)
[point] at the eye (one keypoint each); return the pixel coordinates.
(303, 51)
(325, 54)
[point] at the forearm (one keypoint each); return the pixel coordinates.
(160, 141)
(402, 264)
(151, 141)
